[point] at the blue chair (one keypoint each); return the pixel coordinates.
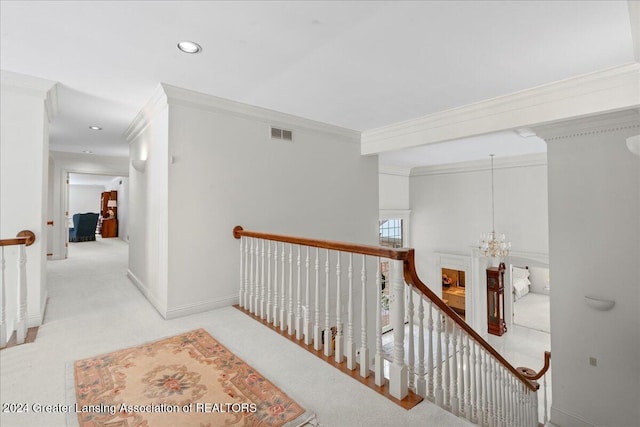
(84, 227)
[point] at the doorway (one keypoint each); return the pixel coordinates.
(454, 290)
(104, 195)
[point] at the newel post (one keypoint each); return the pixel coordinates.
(398, 387)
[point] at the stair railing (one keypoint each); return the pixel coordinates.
(18, 322)
(309, 288)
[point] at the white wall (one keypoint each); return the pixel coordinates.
(451, 206)
(594, 249)
(393, 192)
(84, 198)
(65, 163)
(223, 170)
(148, 209)
(24, 145)
(228, 172)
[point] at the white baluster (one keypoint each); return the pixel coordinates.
(439, 391)
(430, 354)
(455, 403)
(486, 382)
(474, 381)
(421, 382)
(256, 295)
(364, 349)
(490, 392)
(240, 295)
(290, 310)
(398, 370)
(379, 360)
(544, 390)
(21, 322)
(328, 351)
(246, 273)
(351, 345)
(447, 365)
(411, 347)
(339, 351)
(518, 403)
(510, 403)
(307, 303)
(468, 412)
(3, 303)
(317, 344)
(262, 285)
(484, 368)
(462, 375)
(276, 309)
(479, 397)
(503, 396)
(251, 282)
(283, 296)
(269, 290)
(298, 326)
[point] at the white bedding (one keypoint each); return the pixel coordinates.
(521, 282)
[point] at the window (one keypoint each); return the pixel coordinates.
(391, 233)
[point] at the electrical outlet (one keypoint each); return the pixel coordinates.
(593, 361)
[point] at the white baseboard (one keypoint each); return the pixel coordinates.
(201, 306)
(38, 319)
(564, 419)
(160, 308)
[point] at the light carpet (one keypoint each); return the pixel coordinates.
(94, 309)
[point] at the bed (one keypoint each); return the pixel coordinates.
(520, 281)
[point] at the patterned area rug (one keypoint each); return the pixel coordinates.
(186, 380)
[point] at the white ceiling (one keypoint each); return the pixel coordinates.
(356, 64)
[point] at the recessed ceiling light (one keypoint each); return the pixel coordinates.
(189, 47)
(95, 128)
(87, 152)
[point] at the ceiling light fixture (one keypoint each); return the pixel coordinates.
(489, 244)
(87, 152)
(189, 47)
(95, 128)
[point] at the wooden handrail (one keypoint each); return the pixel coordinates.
(410, 276)
(24, 237)
(396, 254)
(14, 241)
(545, 368)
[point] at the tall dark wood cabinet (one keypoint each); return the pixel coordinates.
(495, 300)
(109, 214)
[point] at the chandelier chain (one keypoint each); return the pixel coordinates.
(490, 244)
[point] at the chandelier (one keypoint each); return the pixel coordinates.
(491, 244)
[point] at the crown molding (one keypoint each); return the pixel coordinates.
(23, 84)
(51, 103)
(612, 89)
(394, 170)
(600, 124)
(156, 103)
(202, 101)
(527, 160)
(30, 85)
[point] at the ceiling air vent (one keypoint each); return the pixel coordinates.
(277, 133)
